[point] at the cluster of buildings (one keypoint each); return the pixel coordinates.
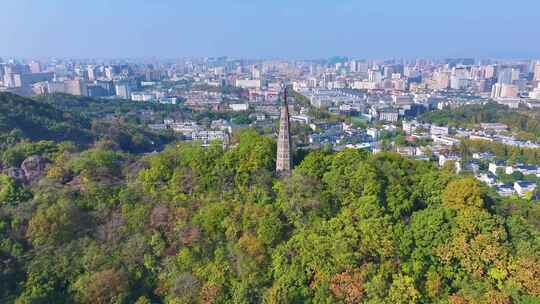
(137, 82)
(385, 95)
(220, 130)
(341, 85)
(444, 140)
(519, 187)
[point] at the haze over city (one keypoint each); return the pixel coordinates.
(278, 151)
(303, 29)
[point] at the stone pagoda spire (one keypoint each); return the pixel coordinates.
(283, 159)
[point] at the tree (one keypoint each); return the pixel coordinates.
(102, 287)
(403, 290)
(53, 225)
(10, 192)
(463, 193)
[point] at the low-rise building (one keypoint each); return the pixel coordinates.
(186, 128)
(483, 155)
(498, 127)
(439, 131)
(303, 119)
(248, 83)
(524, 187)
(524, 169)
(494, 166)
(142, 96)
(443, 159)
(444, 140)
(505, 190)
(206, 137)
(389, 115)
(239, 107)
(489, 178)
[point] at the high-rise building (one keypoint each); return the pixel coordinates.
(75, 87)
(496, 90)
(352, 66)
(35, 67)
(255, 72)
(489, 71)
(31, 78)
(109, 72)
(537, 71)
(374, 76)
(504, 91)
(123, 90)
(457, 83)
(535, 94)
(509, 91)
(56, 87)
(515, 75)
(362, 67)
(388, 71)
(92, 73)
(283, 159)
(442, 79)
(504, 76)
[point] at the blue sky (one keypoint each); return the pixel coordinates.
(271, 28)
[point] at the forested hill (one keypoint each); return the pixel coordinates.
(196, 225)
(40, 121)
(81, 121)
(95, 108)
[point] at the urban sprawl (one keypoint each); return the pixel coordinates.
(334, 103)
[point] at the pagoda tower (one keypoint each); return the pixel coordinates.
(283, 159)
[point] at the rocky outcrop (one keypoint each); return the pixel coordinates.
(33, 168)
(159, 217)
(76, 183)
(16, 174)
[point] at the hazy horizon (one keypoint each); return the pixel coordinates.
(262, 29)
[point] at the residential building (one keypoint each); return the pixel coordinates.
(524, 187)
(505, 190)
(496, 165)
(239, 107)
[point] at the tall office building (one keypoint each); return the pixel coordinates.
(283, 159)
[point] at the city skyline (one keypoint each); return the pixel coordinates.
(257, 29)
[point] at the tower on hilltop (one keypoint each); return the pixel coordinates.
(283, 159)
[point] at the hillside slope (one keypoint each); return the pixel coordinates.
(39, 121)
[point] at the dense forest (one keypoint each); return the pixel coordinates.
(79, 120)
(93, 222)
(25, 118)
(525, 122)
